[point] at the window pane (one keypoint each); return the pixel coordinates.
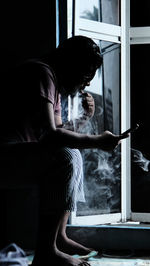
(69, 17)
(140, 141)
(102, 169)
(89, 9)
(110, 11)
(100, 10)
(140, 11)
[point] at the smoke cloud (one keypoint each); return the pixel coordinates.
(140, 160)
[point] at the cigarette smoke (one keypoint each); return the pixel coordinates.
(140, 160)
(102, 181)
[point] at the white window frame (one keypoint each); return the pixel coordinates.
(126, 36)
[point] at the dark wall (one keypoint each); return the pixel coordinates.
(27, 29)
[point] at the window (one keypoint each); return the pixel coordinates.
(110, 178)
(140, 147)
(140, 155)
(102, 169)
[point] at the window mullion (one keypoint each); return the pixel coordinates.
(125, 109)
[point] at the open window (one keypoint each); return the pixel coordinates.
(113, 180)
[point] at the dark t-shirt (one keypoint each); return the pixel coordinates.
(23, 91)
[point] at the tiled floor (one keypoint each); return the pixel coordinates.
(119, 262)
(100, 261)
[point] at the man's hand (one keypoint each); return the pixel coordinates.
(88, 104)
(109, 141)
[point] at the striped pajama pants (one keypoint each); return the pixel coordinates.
(58, 174)
(63, 182)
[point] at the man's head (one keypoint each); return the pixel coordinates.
(79, 58)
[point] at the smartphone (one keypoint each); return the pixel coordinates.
(131, 130)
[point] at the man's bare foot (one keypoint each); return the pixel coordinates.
(58, 258)
(68, 245)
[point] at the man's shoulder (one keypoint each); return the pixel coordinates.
(37, 66)
(32, 64)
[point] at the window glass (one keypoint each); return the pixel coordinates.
(140, 140)
(90, 10)
(69, 17)
(102, 169)
(100, 10)
(140, 13)
(110, 11)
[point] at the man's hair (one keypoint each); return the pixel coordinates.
(81, 55)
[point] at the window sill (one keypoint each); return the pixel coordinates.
(115, 236)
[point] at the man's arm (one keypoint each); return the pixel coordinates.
(59, 137)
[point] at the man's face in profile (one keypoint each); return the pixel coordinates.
(73, 81)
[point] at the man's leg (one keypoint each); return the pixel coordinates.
(47, 252)
(58, 193)
(66, 244)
